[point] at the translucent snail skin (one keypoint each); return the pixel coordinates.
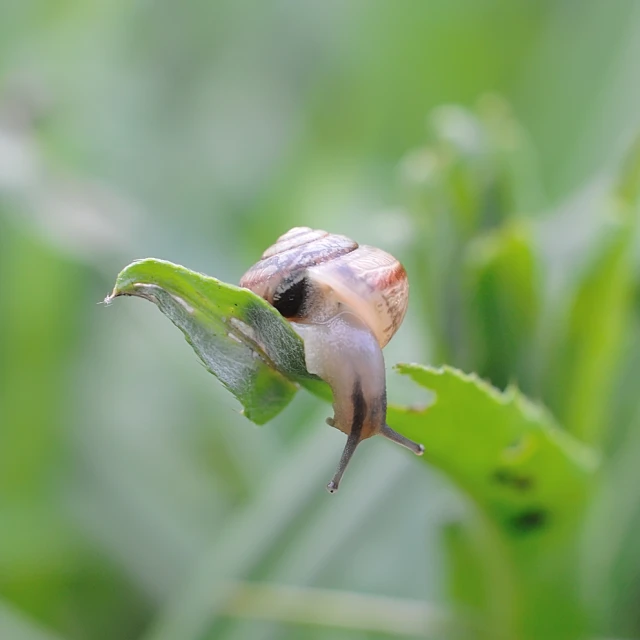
(346, 302)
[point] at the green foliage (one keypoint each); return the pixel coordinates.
(256, 354)
(504, 451)
(241, 339)
(493, 310)
(588, 343)
(529, 479)
(587, 349)
(503, 289)
(136, 501)
(470, 190)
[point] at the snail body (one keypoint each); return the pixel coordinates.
(346, 302)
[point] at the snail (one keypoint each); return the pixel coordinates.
(346, 302)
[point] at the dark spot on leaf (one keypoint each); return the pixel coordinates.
(510, 478)
(515, 445)
(529, 520)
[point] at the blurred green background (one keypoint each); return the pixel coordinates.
(479, 141)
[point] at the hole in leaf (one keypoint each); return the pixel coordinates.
(529, 520)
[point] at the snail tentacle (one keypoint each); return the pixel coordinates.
(390, 434)
(349, 448)
(355, 435)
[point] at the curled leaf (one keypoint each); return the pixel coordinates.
(240, 338)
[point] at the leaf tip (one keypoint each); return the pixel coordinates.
(111, 297)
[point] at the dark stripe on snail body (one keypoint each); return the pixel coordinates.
(346, 301)
(355, 435)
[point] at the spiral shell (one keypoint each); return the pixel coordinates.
(313, 263)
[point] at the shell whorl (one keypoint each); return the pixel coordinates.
(295, 251)
(367, 280)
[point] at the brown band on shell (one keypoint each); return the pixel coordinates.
(373, 284)
(294, 238)
(295, 253)
(393, 285)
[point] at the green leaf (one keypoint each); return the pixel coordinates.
(589, 342)
(530, 482)
(239, 337)
(502, 449)
(476, 174)
(503, 301)
(588, 347)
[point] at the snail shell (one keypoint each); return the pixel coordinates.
(346, 301)
(368, 280)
